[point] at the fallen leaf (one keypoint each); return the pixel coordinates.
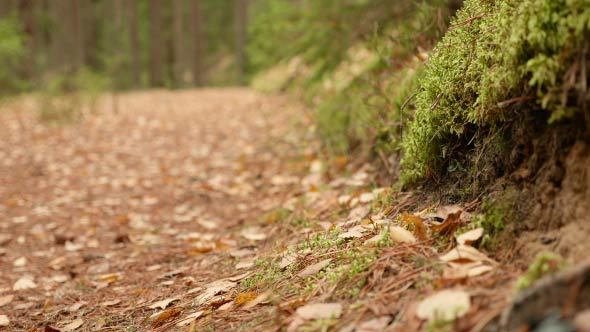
(6, 299)
(239, 277)
(416, 223)
(443, 212)
(23, 283)
(320, 311)
(245, 265)
(160, 318)
(374, 241)
(366, 197)
(243, 298)
(214, 288)
(76, 306)
(60, 278)
(74, 325)
(470, 236)
(446, 305)
(449, 225)
(189, 319)
(359, 212)
(20, 262)
(241, 253)
(110, 303)
(355, 232)
(400, 234)
(468, 270)
(315, 268)
(261, 298)
(253, 234)
(4, 321)
(163, 304)
(463, 253)
(287, 260)
(374, 325)
(110, 277)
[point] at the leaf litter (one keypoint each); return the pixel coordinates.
(182, 243)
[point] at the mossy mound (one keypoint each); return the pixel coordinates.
(497, 57)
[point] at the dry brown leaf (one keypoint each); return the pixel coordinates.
(287, 260)
(110, 277)
(4, 321)
(443, 212)
(261, 298)
(463, 253)
(245, 265)
(160, 318)
(163, 304)
(214, 288)
(355, 232)
(74, 325)
(6, 299)
(189, 319)
(315, 268)
(446, 305)
(320, 311)
(449, 225)
(399, 234)
(23, 283)
(466, 270)
(20, 262)
(239, 277)
(470, 236)
(110, 303)
(416, 223)
(76, 306)
(253, 234)
(243, 298)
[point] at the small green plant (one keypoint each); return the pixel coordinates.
(496, 214)
(545, 263)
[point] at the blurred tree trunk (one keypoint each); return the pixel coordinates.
(134, 43)
(26, 10)
(179, 42)
(241, 26)
(6, 7)
(198, 43)
(77, 35)
(156, 44)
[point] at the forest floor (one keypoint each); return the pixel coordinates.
(212, 210)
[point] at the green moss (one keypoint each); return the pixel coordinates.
(497, 54)
(544, 264)
(496, 214)
(367, 114)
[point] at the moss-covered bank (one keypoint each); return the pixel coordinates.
(499, 60)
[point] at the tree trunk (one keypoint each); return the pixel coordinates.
(6, 7)
(198, 43)
(77, 35)
(156, 44)
(134, 43)
(241, 25)
(179, 42)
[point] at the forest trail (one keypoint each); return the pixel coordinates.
(102, 219)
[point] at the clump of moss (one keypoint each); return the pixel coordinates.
(544, 264)
(496, 214)
(497, 56)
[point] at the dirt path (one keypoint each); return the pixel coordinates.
(100, 220)
(211, 210)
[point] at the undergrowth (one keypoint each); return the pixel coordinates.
(497, 57)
